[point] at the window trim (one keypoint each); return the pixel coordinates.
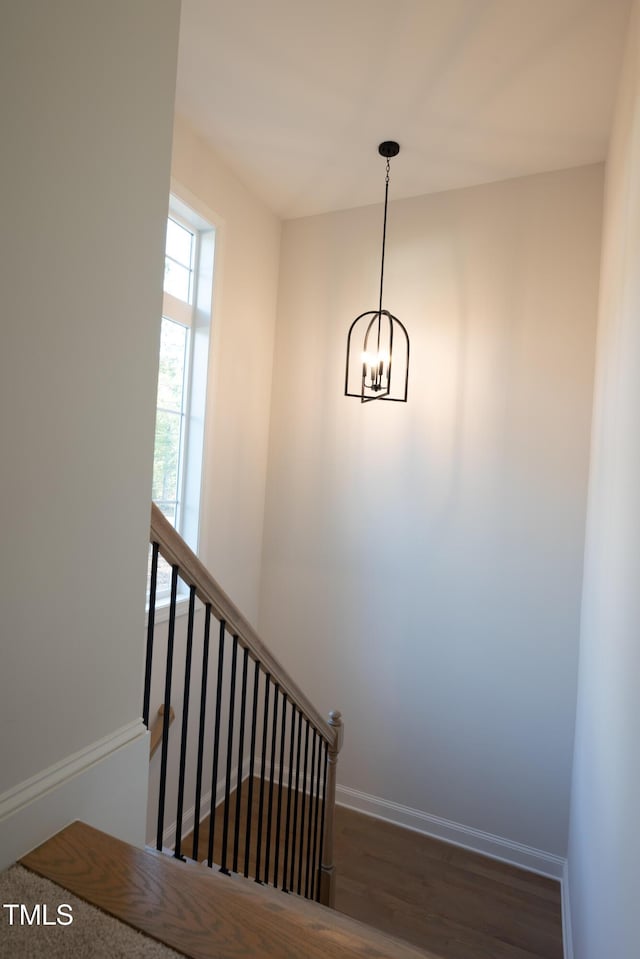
(198, 318)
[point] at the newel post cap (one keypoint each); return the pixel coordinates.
(335, 721)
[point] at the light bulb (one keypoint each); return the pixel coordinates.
(374, 359)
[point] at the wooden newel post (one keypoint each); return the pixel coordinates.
(327, 868)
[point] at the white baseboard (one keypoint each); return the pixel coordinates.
(567, 932)
(103, 784)
(496, 847)
(47, 779)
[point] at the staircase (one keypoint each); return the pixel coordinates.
(243, 779)
(245, 773)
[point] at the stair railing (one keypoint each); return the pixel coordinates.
(255, 755)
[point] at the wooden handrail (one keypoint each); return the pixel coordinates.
(173, 548)
(156, 728)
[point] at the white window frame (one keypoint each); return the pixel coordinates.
(196, 316)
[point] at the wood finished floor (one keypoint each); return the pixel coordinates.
(454, 903)
(272, 854)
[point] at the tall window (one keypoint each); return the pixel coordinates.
(182, 375)
(173, 376)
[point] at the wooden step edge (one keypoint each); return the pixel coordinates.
(200, 912)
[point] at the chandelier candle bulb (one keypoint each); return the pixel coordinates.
(375, 367)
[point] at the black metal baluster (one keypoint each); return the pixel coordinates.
(252, 748)
(271, 772)
(216, 746)
(203, 710)
(265, 722)
(167, 707)
(150, 633)
(314, 870)
(310, 825)
(324, 794)
(243, 704)
(288, 821)
(227, 783)
(304, 803)
(177, 852)
(283, 733)
(295, 805)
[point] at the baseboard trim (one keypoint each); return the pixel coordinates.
(567, 931)
(104, 785)
(14, 799)
(476, 840)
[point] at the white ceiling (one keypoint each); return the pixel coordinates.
(295, 95)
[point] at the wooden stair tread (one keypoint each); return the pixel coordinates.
(198, 912)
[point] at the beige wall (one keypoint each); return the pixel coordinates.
(87, 101)
(245, 290)
(604, 853)
(422, 564)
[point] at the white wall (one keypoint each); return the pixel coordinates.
(245, 291)
(423, 563)
(86, 138)
(604, 851)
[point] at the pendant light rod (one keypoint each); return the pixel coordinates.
(384, 236)
(387, 149)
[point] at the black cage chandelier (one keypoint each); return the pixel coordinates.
(378, 343)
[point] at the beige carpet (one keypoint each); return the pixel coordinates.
(91, 935)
